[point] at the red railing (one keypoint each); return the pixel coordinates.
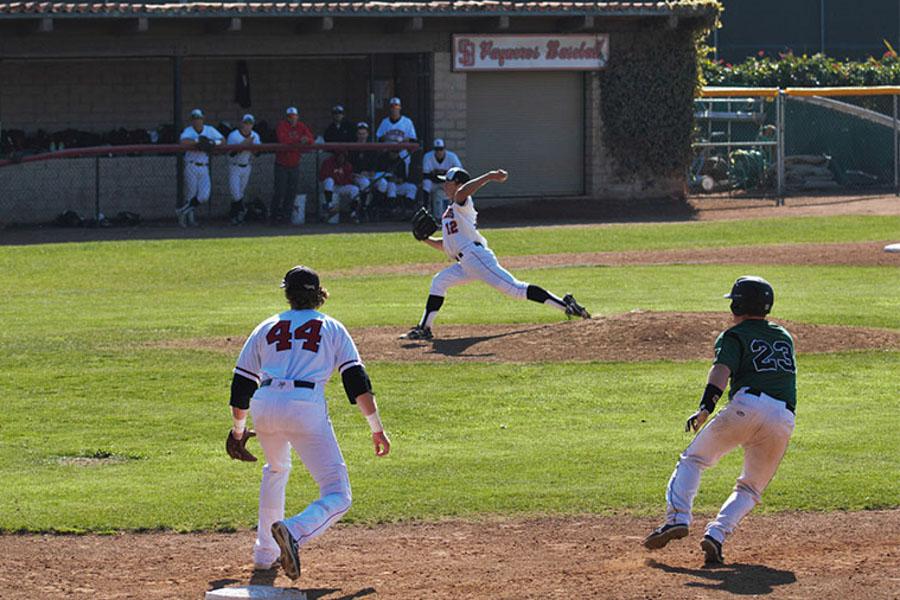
(180, 148)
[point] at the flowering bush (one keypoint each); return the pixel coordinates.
(789, 70)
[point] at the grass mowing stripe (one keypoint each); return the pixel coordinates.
(472, 439)
(108, 265)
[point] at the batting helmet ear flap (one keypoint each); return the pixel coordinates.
(751, 295)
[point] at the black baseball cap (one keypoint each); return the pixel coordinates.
(456, 174)
(301, 277)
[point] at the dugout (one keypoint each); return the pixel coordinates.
(97, 67)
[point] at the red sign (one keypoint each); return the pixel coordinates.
(538, 52)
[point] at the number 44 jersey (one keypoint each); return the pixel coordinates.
(761, 356)
(299, 345)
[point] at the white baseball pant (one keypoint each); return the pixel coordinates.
(439, 200)
(304, 425)
(196, 181)
(394, 189)
(238, 177)
(361, 181)
(348, 191)
(478, 263)
(762, 425)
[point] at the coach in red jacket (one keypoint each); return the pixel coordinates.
(287, 162)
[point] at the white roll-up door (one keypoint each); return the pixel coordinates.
(532, 125)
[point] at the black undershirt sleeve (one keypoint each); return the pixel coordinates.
(242, 390)
(356, 382)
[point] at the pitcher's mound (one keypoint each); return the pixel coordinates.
(634, 336)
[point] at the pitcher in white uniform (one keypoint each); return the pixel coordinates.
(284, 367)
(462, 243)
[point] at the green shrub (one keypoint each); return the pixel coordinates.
(788, 70)
(647, 92)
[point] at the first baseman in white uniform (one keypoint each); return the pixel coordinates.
(462, 243)
(197, 187)
(240, 163)
(435, 164)
(281, 375)
(758, 357)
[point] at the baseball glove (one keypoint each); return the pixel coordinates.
(423, 224)
(204, 144)
(237, 449)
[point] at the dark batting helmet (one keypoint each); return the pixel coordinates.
(751, 295)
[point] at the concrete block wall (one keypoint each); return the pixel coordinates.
(37, 192)
(87, 95)
(450, 105)
(100, 95)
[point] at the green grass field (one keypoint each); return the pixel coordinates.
(81, 380)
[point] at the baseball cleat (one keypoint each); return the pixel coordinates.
(661, 536)
(181, 213)
(713, 551)
(290, 558)
(573, 309)
(418, 333)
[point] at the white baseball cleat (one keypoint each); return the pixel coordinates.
(290, 557)
(265, 566)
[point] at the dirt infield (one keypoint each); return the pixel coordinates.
(629, 337)
(860, 254)
(789, 555)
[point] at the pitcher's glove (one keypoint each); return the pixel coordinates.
(204, 144)
(423, 225)
(237, 449)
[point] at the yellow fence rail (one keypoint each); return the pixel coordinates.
(772, 92)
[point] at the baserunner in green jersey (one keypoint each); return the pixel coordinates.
(758, 357)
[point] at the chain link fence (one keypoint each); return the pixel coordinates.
(121, 185)
(768, 142)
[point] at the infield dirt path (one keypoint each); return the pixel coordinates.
(844, 556)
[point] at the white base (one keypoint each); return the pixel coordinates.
(892, 248)
(256, 592)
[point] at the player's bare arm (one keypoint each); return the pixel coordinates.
(716, 383)
(473, 185)
(435, 243)
(369, 409)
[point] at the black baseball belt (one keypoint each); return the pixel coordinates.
(479, 244)
(201, 164)
(241, 166)
(297, 384)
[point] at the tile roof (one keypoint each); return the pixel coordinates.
(352, 8)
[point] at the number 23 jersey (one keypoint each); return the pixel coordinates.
(760, 355)
(304, 345)
(459, 228)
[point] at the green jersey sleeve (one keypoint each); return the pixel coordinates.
(728, 351)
